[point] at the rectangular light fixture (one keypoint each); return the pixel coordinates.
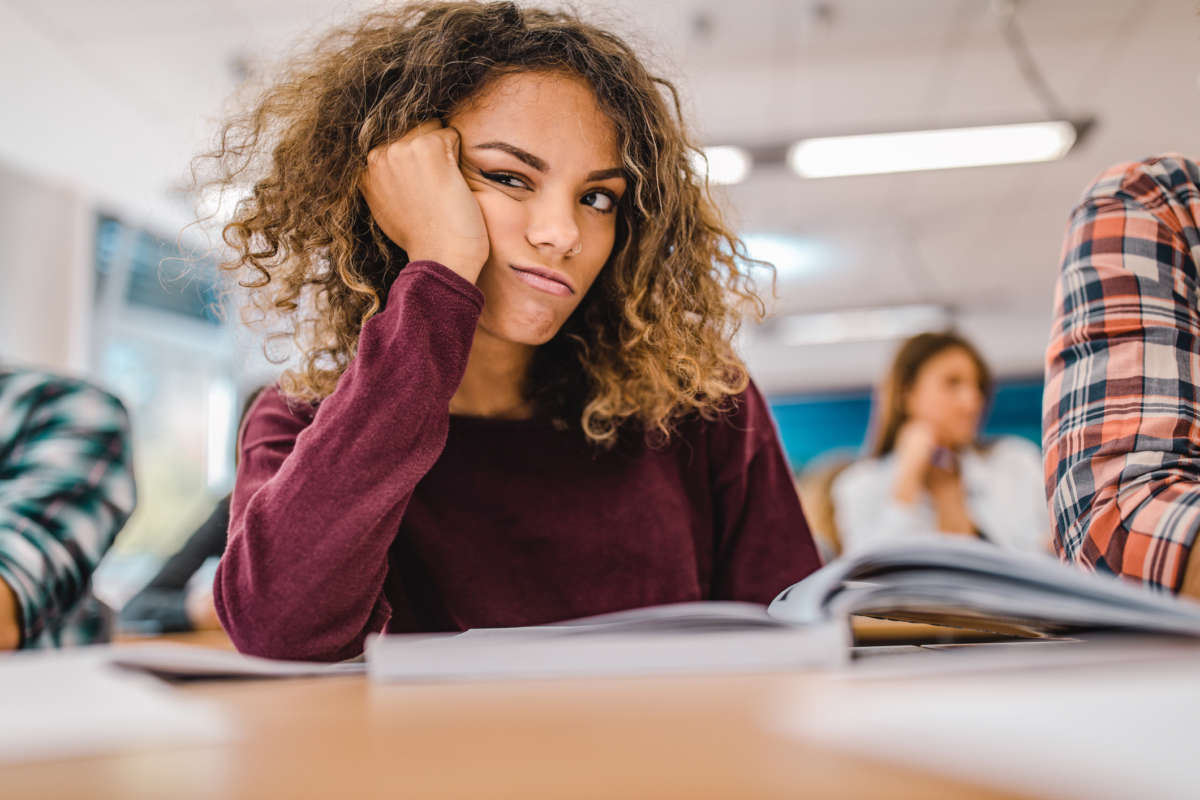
(860, 324)
(723, 164)
(945, 148)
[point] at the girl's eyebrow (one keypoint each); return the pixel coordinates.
(540, 165)
(517, 153)
(605, 174)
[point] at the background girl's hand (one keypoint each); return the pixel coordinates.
(915, 445)
(420, 200)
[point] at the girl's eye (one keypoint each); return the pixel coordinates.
(504, 179)
(601, 201)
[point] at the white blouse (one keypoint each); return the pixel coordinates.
(1005, 497)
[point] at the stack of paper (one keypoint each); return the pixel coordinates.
(66, 704)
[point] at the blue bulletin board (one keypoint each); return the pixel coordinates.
(813, 425)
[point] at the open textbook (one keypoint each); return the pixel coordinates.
(944, 581)
(972, 584)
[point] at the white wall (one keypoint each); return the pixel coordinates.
(46, 234)
(1011, 341)
(68, 119)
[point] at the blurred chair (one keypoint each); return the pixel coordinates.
(814, 485)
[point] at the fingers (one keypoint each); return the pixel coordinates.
(454, 139)
(449, 141)
(425, 134)
(425, 128)
(427, 140)
(417, 195)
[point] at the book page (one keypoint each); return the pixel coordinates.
(521, 653)
(179, 661)
(970, 579)
(73, 703)
(1045, 719)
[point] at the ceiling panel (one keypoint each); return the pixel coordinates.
(85, 21)
(126, 91)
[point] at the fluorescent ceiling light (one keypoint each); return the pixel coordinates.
(946, 148)
(726, 164)
(860, 324)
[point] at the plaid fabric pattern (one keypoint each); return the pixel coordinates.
(66, 488)
(1121, 422)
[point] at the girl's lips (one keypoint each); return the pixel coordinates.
(545, 280)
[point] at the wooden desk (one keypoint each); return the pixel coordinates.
(871, 631)
(867, 631)
(698, 737)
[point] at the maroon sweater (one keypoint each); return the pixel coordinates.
(381, 510)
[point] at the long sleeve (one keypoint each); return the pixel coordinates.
(764, 544)
(161, 606)
(1121, 408)
(866, 512)
(66, 489)
(319, 497)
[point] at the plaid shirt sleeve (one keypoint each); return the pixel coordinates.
(66, 488)
(1121, 422)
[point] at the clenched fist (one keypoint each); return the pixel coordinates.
(420, 200)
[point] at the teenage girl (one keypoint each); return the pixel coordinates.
(516, 400)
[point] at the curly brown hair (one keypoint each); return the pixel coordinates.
(653, 336)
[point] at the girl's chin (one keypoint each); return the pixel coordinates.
(958, 441)
(522, 328)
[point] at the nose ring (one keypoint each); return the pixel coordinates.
(576, 250)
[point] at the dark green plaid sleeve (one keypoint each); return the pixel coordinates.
(66, 488)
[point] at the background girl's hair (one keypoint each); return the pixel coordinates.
(650, 342)
(888, 414)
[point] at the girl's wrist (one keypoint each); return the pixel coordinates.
(10, 618)
(906, 489)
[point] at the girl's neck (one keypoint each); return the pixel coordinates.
(494, 383)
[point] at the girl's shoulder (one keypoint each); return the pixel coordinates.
(274, 415)
(743, 418)
(1005, 450)
(727, 441)
(863, 475)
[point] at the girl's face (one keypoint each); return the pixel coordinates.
(542, 161)
(946, 395)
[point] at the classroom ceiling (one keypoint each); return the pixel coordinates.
(115, 97)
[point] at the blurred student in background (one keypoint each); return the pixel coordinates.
(180, 598)
(928, 474)
(66, 489)
(1122, 404)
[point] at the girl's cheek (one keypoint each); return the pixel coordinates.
(502, 215)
